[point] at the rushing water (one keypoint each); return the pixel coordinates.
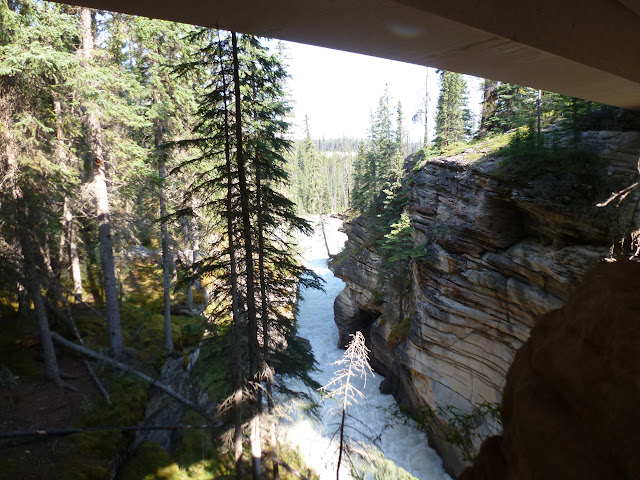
(403, 444)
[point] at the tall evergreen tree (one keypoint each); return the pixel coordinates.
(170, 103)
(505, 107)
(36, 45)
(96, 152)
(453, 119)
(241, 135)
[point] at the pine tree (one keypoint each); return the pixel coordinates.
(453, 119)
(169, 103)
(36, 45)
(96, 152)
(400, 147)
(505, 107)
(241, 135)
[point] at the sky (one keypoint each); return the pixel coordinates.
(339, 91)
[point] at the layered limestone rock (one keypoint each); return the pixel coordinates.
(498, 253)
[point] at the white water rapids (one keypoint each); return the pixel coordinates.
(402, 444)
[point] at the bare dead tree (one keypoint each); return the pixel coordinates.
(354, 364)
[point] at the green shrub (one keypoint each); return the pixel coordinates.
(460, 428)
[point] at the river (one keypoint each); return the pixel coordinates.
(404, 446)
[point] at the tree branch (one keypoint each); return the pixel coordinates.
(41, 433)
(290, 469)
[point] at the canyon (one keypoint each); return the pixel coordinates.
(497, 252)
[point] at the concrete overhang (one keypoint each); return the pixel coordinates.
(583, 48)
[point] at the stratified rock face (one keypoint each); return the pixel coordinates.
(497, 256)
(570, 407)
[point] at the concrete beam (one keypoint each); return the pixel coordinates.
(584, 48)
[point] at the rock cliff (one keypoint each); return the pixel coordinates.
(498, 252)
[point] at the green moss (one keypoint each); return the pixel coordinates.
(89, 455)
(143, 286)
(151, 462)
(193, 445)
(143, 331)
(191, 329)
(399, 334)
(213, 366)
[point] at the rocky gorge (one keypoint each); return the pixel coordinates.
(498, 251)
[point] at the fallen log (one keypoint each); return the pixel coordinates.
(41, 432)
(103, 358)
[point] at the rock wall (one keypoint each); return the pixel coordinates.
(497, 255)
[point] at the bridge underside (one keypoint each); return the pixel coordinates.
(584, 48)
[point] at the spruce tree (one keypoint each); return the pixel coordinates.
(453, 119)
(36, 45)
(241, 136)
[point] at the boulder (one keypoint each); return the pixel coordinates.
(570, 406)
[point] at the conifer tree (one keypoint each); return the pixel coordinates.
(400, 146)
(170, 103)
(505, 106)
(96, 144)
(241, 134)
(453, 119)
(36, 45)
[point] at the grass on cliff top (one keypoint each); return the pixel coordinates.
(476, 149)
(557, 165)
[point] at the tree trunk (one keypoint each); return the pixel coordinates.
(265, 325)
(166, 260)
(324, 235)
(32, 282)
(101, 196)
(237, 376)
(193, 238)
(246, 223)
(66, 213)
(51, 369)
(76, 274)
(341, 447)
(24, 305)
(106, 242)
(74, 258)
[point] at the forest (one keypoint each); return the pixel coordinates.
(152, 199)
